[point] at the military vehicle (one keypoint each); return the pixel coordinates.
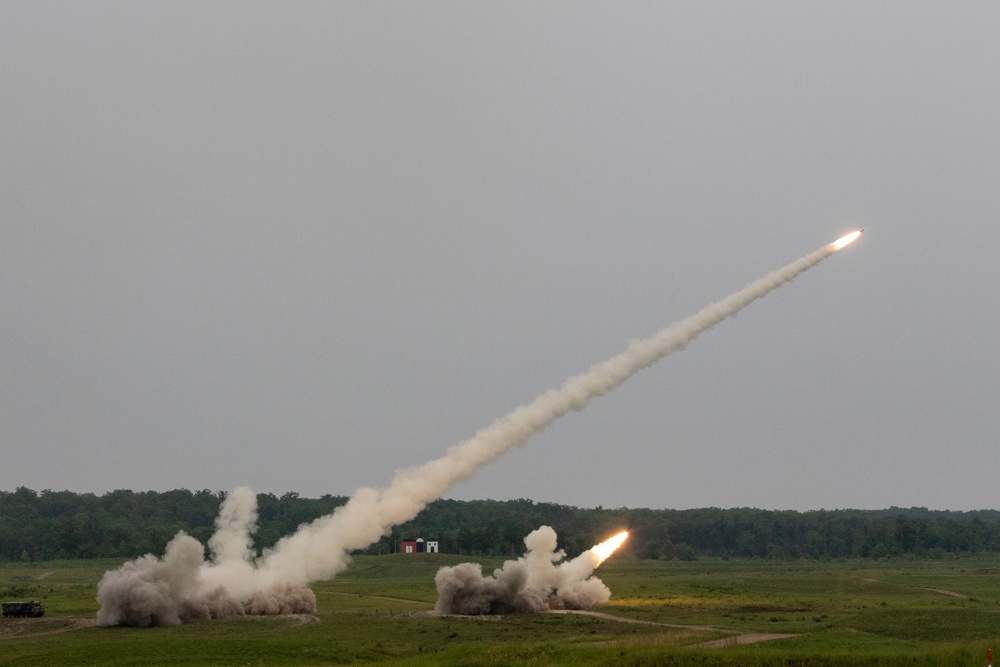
(31, 609)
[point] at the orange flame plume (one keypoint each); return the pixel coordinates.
(606, 548)
(844, 240)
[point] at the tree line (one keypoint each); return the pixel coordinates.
(50, 525)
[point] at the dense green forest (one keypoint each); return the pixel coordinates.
(62, 524)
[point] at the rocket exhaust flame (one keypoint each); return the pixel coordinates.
(317, 551)
(608, 547)
(844, 240)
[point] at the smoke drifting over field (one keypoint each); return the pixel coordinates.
(531, 583)
(184, 586)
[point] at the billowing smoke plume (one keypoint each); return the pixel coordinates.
(149, 591)
(319, 550)
(533, 582)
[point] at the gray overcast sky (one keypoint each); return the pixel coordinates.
(299, 245)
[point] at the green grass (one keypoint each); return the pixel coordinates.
(845, 613)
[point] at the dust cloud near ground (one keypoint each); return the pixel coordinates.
(535, 582)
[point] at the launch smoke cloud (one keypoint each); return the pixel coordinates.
(184, 586)
(534, 582)
(150, 591)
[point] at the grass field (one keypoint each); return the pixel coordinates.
(944, 612)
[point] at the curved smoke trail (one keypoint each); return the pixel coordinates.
(319, 550)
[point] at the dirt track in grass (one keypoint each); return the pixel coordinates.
(12, 628)
(39, 627)
(734, 640)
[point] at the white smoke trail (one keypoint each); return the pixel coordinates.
(531, 583)
(319, 550)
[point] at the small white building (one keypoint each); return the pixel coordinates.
(418, 546)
